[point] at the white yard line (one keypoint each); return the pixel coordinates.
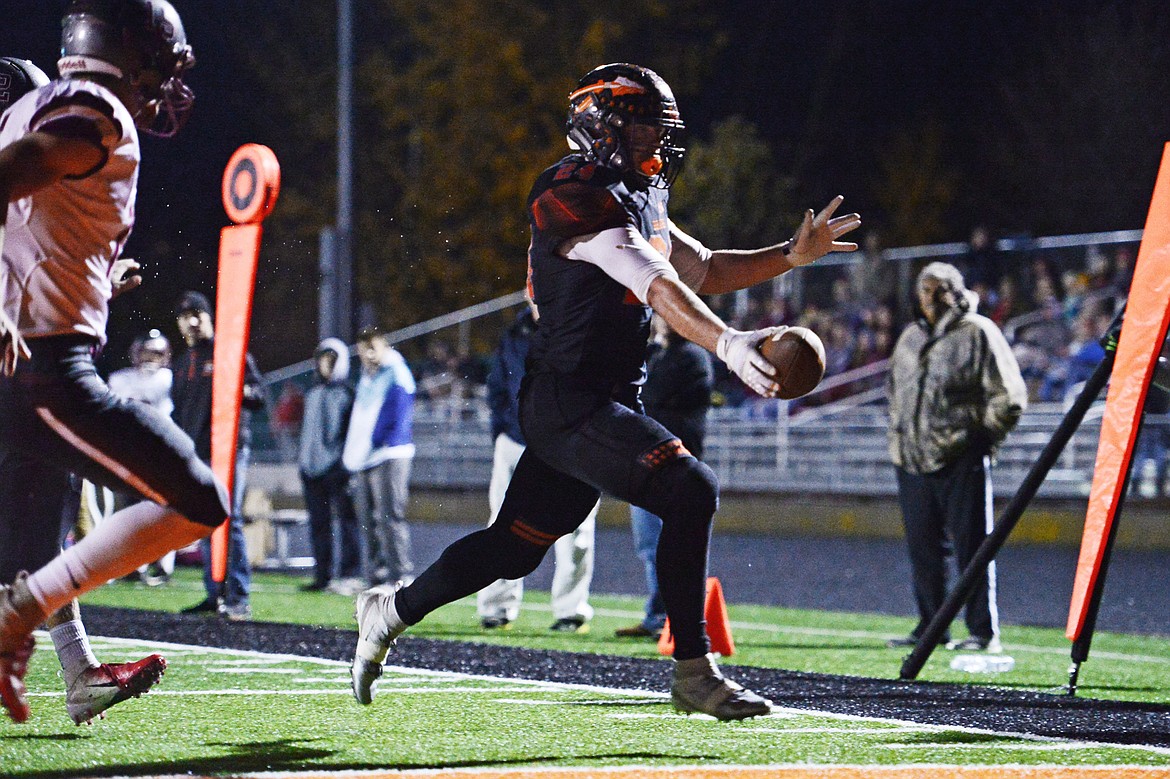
(155, 692)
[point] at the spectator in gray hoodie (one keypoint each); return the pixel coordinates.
(327, 410)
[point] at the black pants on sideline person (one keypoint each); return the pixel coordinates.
(581, 442)
(949, 511)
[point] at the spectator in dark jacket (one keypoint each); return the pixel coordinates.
(324, 478)
(191, 392)
(677, 393)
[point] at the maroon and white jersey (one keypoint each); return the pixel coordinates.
(62, 241)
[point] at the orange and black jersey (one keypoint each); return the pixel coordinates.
(591, 326)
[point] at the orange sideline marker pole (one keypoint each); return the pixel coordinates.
(251, 184)
(1146, 317)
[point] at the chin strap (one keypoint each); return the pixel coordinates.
(79, 63)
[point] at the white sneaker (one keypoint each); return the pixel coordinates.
(972, 644)
(699, 686)
(378, 626)
(348, 586)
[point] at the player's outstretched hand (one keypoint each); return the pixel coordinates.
(738, 349)
(119, 278)
(818, 234)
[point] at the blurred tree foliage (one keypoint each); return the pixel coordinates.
(732, 194)
(1082, 119)
(1045, 122)
(458, 107)
(914, 185)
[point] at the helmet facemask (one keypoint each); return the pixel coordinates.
(165, 102)
(658, 147)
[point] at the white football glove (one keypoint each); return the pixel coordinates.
(738, 349)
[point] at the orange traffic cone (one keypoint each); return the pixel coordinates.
(718, 624)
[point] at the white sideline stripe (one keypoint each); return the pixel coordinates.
(327, 691)
(939, 769)
(854, 731)
(606, 701)
(247, 661)
(1068, 747)
(676, 715)
(423, 672)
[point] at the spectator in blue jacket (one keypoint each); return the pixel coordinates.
(379, 449)
(326, 481)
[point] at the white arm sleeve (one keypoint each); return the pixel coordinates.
(689, 257)
(624, 255)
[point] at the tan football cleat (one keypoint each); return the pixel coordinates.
(700, 687)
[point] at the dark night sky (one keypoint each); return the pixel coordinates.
(828, 84)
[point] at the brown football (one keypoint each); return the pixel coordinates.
(798, 356)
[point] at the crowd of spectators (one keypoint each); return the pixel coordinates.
(1053, 306)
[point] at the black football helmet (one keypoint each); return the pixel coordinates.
(610, 98)
(141, 42)
(17, 78)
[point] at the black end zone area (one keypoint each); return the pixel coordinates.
(990, 708)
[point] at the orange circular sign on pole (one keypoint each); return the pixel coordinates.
(251, 183)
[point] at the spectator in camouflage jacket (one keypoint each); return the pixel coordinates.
(955, 391)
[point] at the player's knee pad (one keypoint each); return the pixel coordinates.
(684, 489)
(519, 550)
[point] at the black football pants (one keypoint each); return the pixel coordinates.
(57, 416)
(941, 511)
(582, 443)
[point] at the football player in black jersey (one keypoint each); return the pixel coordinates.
(604, 254)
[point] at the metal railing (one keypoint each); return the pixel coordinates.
(840, 451)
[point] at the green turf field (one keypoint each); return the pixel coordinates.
(1122, 667)
(227, 712)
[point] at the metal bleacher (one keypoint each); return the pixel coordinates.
(837, 448)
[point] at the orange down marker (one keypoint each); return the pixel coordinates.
(251, 183)
(1146, 315)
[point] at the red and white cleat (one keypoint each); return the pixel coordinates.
(97, 689)
(19, 616)
(13, 667)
